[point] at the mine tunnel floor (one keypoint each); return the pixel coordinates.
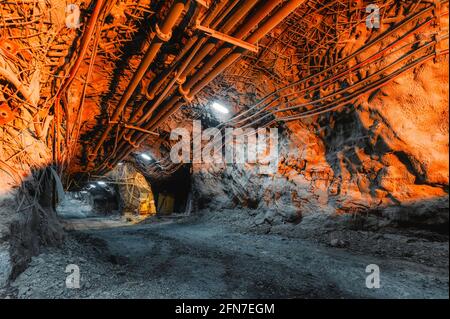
(200, 258)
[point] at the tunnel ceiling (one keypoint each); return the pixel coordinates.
(95, 93)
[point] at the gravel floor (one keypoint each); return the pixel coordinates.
(201, 258)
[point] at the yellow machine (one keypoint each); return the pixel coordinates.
(147, 204)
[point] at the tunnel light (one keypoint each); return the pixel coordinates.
(146, 157)
(92, 186)
(220, 108)
(101, 183)
(120, 164)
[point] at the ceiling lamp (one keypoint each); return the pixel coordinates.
(220, 108)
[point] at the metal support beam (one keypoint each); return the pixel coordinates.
(227, 38)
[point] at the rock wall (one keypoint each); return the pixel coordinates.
(27, 223)
(386, 155)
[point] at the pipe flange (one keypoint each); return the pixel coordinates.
(183, 91)
(188, 99)
(164, 37)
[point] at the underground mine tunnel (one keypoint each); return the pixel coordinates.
(216, 149)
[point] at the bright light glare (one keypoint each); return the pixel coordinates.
(146, 157)
(92, 186)
(101, 183)
(220, 108)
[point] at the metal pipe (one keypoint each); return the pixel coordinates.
(71, 76)
(215, 11)
(258, 17)
(271, 23)
(84, 46)
(151, 92)
(163, 35)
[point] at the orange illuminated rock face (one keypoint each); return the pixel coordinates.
(387, 153)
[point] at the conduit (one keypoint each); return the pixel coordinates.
(150, 94)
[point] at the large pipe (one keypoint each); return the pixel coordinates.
(226, 28)
(150, 94)
(84, 45)
(195, 58)
(250, 24)
(241, 33)
(163, 35)
(154, 87)
(210, 18)
(174, 105)
(86, 39)
(218, 7)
